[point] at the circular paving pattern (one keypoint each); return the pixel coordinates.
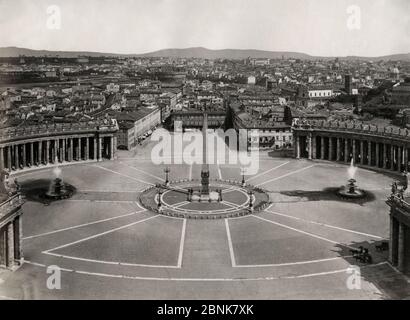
(175, 202)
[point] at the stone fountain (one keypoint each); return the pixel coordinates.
(58, 190)
(350, 190)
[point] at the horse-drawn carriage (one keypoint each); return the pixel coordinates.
(362, 255)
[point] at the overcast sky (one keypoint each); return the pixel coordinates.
(317, 27)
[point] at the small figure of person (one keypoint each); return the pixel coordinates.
(394, 187)
(17, 185)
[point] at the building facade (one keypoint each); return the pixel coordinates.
(194, 119)
(134, 126)
(270, 134)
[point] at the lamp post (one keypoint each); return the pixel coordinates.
(159, 207)
(167, 171)
(243, 177)
(219, 195)
(190, 191)
(250, 193)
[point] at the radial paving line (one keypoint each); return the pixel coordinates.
(83, 225)
(143, 172)
(124, 175)
(231, 252)
(117, 263)
(286, 175)
(301, 231)
(325, 225)
(99, 201)
(108, 191)
(234, 205)
(181, 244)
(271, 169)
(98, 235)
(230, 189)
(230, 205)
(177, 205)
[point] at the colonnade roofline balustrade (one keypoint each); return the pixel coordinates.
(10, 204)
(399, 202)
(354, 127)
(49, 129)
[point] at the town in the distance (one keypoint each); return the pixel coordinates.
(142, 93)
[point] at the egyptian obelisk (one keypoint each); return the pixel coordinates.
(205, 165)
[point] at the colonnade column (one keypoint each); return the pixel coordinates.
(369, 153)
(40, 152)
(392, 149)
(384, 156)
(71, 149)
(338, 147)
(116, 143)
(405, 158)
(361, 152)
(400, 264)
(17, 227)
(297, 147)
(79, 149)
(95, 149)
(58, 151)
(47, 155)
(63, 148)
(100, 148)
(16, 157)
(68, 149)
(24, 155)
(377, 154)
(10, 246)
(87, 148)
(391, 240)
(53, 151)
(346, 155)
(399, 154)
(112, 148)
(9, 158)
(322, 148)
(32, 153)
(314, 154)
(330, 153)
(1, 158)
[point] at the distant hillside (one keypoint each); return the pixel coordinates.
(393, 57)
(205, 53)
(15, 52)
(198, 52)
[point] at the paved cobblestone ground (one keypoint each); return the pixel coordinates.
(108, 246)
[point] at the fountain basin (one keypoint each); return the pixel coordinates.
(351, 191)
(58, 190)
